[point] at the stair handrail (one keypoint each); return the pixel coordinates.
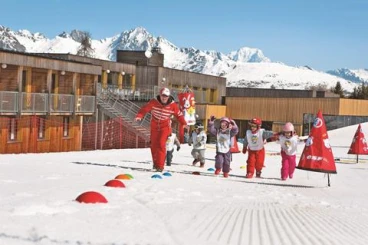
(118, 104)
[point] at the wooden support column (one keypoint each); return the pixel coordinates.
(20, 88)
(56, 91)
(28, 100)
(75, 91)
(120, 81)
(133, 81)
(95, 81)
(29, 80)
(49, 84)
(104, 79)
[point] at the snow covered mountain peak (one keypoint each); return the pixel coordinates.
(245, 67)
(246, 54)
(358, 76)
(75, 35)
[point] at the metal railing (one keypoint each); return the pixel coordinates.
(122, 105)
(85, 104)
(34, 103)
(147, 92)
(114, 106)
(9, 102)
(45, 103)
(127, 92)
(61, 103)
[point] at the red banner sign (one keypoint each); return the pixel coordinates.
(317, 154)
(359, 144)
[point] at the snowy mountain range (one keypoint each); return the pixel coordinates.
(245, 67)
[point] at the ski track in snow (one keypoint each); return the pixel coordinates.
(259, 222)
(242, 224)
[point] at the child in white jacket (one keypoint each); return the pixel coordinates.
(198, 138)
(171, 140)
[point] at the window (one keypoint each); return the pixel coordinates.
(53, 83)
(13, 129)
(110, 78)
(24, 80)
(41, 128)
(65, 126)
(127, 81)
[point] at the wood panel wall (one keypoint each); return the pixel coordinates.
(38, 81)
(204, 112)
(8, 78)
(87, 84)
(64, 84)
(353, 107)
(28, 141)
(279, 109)
(47, 62)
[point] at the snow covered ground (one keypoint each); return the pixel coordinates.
(38, 192)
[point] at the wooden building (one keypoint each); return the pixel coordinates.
(296, 106)
(45, 98)
(120, 75)
(43, 101)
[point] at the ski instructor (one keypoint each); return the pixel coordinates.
(161, 108)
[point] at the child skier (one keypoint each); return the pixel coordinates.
(289, 142)
(227, 129)
(171, 140)
(254, 141)
(198, 138)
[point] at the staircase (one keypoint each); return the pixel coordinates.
(114, 107)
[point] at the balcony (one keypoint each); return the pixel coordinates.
(12, 103)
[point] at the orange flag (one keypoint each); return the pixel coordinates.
(359, 144)
(317, 154)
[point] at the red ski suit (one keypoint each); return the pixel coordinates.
(160, 126)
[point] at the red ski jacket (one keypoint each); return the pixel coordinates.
(161, 113)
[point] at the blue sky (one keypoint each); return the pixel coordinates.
(324, 34)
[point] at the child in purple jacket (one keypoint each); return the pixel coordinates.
(227, 129)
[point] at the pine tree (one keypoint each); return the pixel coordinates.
(85, 49)
(360, 92)
(338, 90)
